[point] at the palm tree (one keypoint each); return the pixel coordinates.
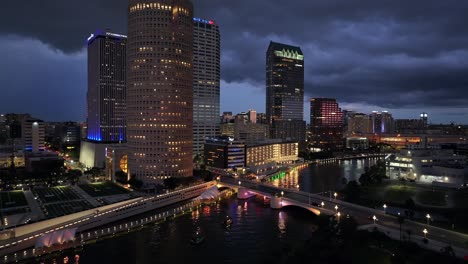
(408, 231)
(401, 220)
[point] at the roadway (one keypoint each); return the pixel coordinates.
(363, 215)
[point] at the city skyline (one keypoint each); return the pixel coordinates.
(373, 56)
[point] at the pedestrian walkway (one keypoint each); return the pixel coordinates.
(431, 244)
(36, 211)
(86, 196)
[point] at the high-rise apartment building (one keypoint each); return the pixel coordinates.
(33, 135)
(159, 91)
(382, 122)
(206, 82)
(326, 124)
(285, 92)
(106, 87)
(106, 96)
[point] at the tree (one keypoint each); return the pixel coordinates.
(408, 231)
(410, 205)
(135, 183)
(171, 183)
(121, 177)
(401, 220)
(347, 227)
(95, 172)
(74, 175)
(352, 192)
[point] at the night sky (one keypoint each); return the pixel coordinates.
(406, 57)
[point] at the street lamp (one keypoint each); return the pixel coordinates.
(282, 193)
(297, 186)
(335, 194)
(322, 204)
(338, 214)
(239, 183)
(336, 208)
(385, 208)
(374, 218)
(428, 216)
(425, 232)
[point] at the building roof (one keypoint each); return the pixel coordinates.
(281, 46)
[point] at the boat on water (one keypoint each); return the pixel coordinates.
(197, 238)
(228, 221)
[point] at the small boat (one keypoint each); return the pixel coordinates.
(197, 238)
(228, 221)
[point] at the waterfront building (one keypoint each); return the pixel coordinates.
(264, 156)
(285, 92)
(429, 165)
(224, 153)
(206, 82)
(159, 92)
(106, 96)
(326, 125)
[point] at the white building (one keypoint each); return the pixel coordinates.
(429, 166)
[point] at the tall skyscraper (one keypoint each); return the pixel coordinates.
(326, 124)
(160, 94)
(106, 87)
(285, 92)
(206, 82)
(106, 96)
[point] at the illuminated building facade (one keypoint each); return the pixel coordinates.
(285, 92)
(382, 122)
(224, 153)
(359, 123)
(326, 124)
(206, 82)
(106, 96)
(265, 156)
(159, 92)
(426, 165)
(33, 135)
(106, 87)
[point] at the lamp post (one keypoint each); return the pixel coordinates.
(425, 232)
(385, 208)
(322, 204)
(297, 186)
(428, 216)
(338, 214)
(335, 194)
(374, 218)
(239, 183)
(336, 208)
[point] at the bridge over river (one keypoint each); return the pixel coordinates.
(281, 197)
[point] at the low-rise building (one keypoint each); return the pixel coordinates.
(429, 165)
(265, 156)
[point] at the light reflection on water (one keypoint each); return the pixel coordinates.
(259, 232)
(325, 176)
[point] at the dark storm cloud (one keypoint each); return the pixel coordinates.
(384, 53)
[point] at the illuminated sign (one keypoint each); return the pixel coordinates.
(196, 19)
(290, 54)
(115, 35)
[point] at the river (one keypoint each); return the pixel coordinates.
(258, 234)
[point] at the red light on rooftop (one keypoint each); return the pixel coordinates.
(211, 22)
